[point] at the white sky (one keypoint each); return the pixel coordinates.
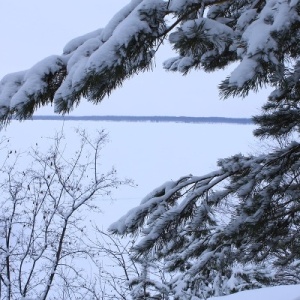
(33, 29)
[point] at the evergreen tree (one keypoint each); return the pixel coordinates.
(247, 211)
(262, 36)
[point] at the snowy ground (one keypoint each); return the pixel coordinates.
(150, 154)
(274, 293)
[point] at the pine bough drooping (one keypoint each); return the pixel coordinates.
(221, 232)
(208, 34)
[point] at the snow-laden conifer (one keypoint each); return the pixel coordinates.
(207, 34)
(202, 227)
(221, 232)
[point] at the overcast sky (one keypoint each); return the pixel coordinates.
(33, 29)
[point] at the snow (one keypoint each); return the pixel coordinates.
(89, 53)
(291, 292)
(179, 5)
(118, 18)
(257, 35)
(217, 33)
(149, 153)
(213, 27)
(106, 48)
(76, 42)
(9, 86)
(33, 83)
(246, 18)
(243, 72)
(259, 44)
(92, 52)
(152, 153)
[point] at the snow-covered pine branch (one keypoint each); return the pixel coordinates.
(206, 34)
(207, 229)
(201, 227)
(90, 66)
(248, 210)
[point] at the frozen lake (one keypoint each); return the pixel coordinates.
(149, 153)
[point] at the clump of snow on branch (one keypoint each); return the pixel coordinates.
(206, 34)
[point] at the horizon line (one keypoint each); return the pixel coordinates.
(155, 119)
